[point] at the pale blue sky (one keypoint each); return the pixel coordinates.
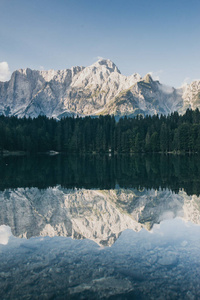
(141, 36)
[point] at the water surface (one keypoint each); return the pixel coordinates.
(100, 227)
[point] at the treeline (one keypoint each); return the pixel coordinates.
(103, 134)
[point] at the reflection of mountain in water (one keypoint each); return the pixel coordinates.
(99, 215)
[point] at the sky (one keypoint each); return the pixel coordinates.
(161, 37)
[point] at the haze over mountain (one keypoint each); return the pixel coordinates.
(93, 90)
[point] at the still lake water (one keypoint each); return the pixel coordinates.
(100, 227)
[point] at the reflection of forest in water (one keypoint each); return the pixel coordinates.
(102, 172)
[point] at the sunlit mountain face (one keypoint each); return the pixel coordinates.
(92, 90)
(96, 227)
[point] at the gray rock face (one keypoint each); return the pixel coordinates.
(96, 89)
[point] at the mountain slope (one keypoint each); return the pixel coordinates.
(96, 89)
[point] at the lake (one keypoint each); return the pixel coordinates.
(100, 227)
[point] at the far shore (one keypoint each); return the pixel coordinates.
(6, 153)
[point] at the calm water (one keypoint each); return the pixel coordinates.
(100, 227)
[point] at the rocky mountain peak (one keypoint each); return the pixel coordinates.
(147, 78)
(76, 70)
(108, 64)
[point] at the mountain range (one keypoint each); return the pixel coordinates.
(98, 89)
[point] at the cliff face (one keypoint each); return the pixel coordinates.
(97, 89)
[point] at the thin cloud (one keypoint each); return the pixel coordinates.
(97, 58)
(186, 81)
(4, 71)
(100, 57)
(156, 75)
